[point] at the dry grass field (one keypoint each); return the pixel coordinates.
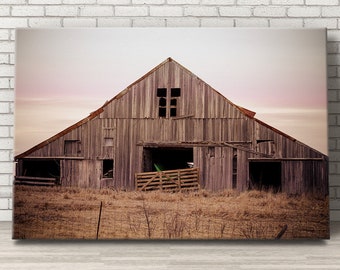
(72, 213)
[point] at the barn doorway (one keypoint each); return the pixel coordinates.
(167, 158)
(41, 168)
(265, 175)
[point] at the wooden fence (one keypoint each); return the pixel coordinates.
(35, 181)
(172, 180)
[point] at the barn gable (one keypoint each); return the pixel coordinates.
(171, 112)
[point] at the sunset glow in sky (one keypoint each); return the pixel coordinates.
(64, 74)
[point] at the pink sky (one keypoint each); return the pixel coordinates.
(64, 74)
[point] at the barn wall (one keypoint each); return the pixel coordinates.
(131, 120)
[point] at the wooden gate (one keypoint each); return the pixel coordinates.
(172, 180)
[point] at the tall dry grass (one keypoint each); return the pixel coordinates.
(72, 213)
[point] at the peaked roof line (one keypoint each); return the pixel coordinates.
(95, 113)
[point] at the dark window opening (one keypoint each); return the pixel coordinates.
(72, 148)
(162, 112)
(161, 92)
(167, 105)
(108, 168)
(173, 112)
(41, 168)
(175, 92)
(168, 158)
(265, 176)
(162, 102)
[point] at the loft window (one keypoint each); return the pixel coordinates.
(175, 92)
(72, 148)
(167, 105)
(107, 168)
(161, 92)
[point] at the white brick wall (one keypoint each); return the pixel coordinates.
(165, 13)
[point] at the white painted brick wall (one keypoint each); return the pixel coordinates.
(165, 13)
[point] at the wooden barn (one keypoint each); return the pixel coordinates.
(172, 120)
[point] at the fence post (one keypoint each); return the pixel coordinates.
(100, 214)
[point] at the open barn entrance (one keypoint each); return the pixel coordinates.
(167, 158)
(265, 175)
(41, 168)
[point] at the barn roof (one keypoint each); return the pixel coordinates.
(244, 111)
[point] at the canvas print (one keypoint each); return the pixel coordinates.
(171, 134)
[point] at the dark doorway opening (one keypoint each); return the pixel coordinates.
(167, 158)
(41, 168)
(107, 168)
(265, 176)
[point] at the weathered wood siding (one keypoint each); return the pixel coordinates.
(204, 117)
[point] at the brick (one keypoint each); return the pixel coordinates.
(113, 2)
(168, 11)
(333, 35)
(13, 22)
(290, 23)
(6, 143)
(118, 22)
(96, 11)
(6, 119)
(4, 204)
(12, 58)
(333, 131)
(4, 131)
(235, 11)
(44, 22)
(332, 95)
(79, 22)
(331, 120)
(4, 108)
(131, 11)
(269, 11)
(74, 2)
(6, 215)
(331, 12)
(148, 22)
(7, 70)
(45, 2)
(13, 2)
(217, 22)
(183, 22)
(332, 193)
(7, 46)
(148, 2)
(183, 2)
(320, 23)
(287, 2)
(322, 3)
(61, 11)
(333, 59)
(332, 47)
(304, 12)
(200, 11)
(333, 83)
(6, 95)
(5, 179)
(4, 83)
(27, 11)
(4, 59)
(218, 2)
(4, 34)
(4, 11)
(334, 204)
(6, 168)
(253, 2)
(4, 155)
(251, 22)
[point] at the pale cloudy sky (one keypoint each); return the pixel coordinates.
(64, 74)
